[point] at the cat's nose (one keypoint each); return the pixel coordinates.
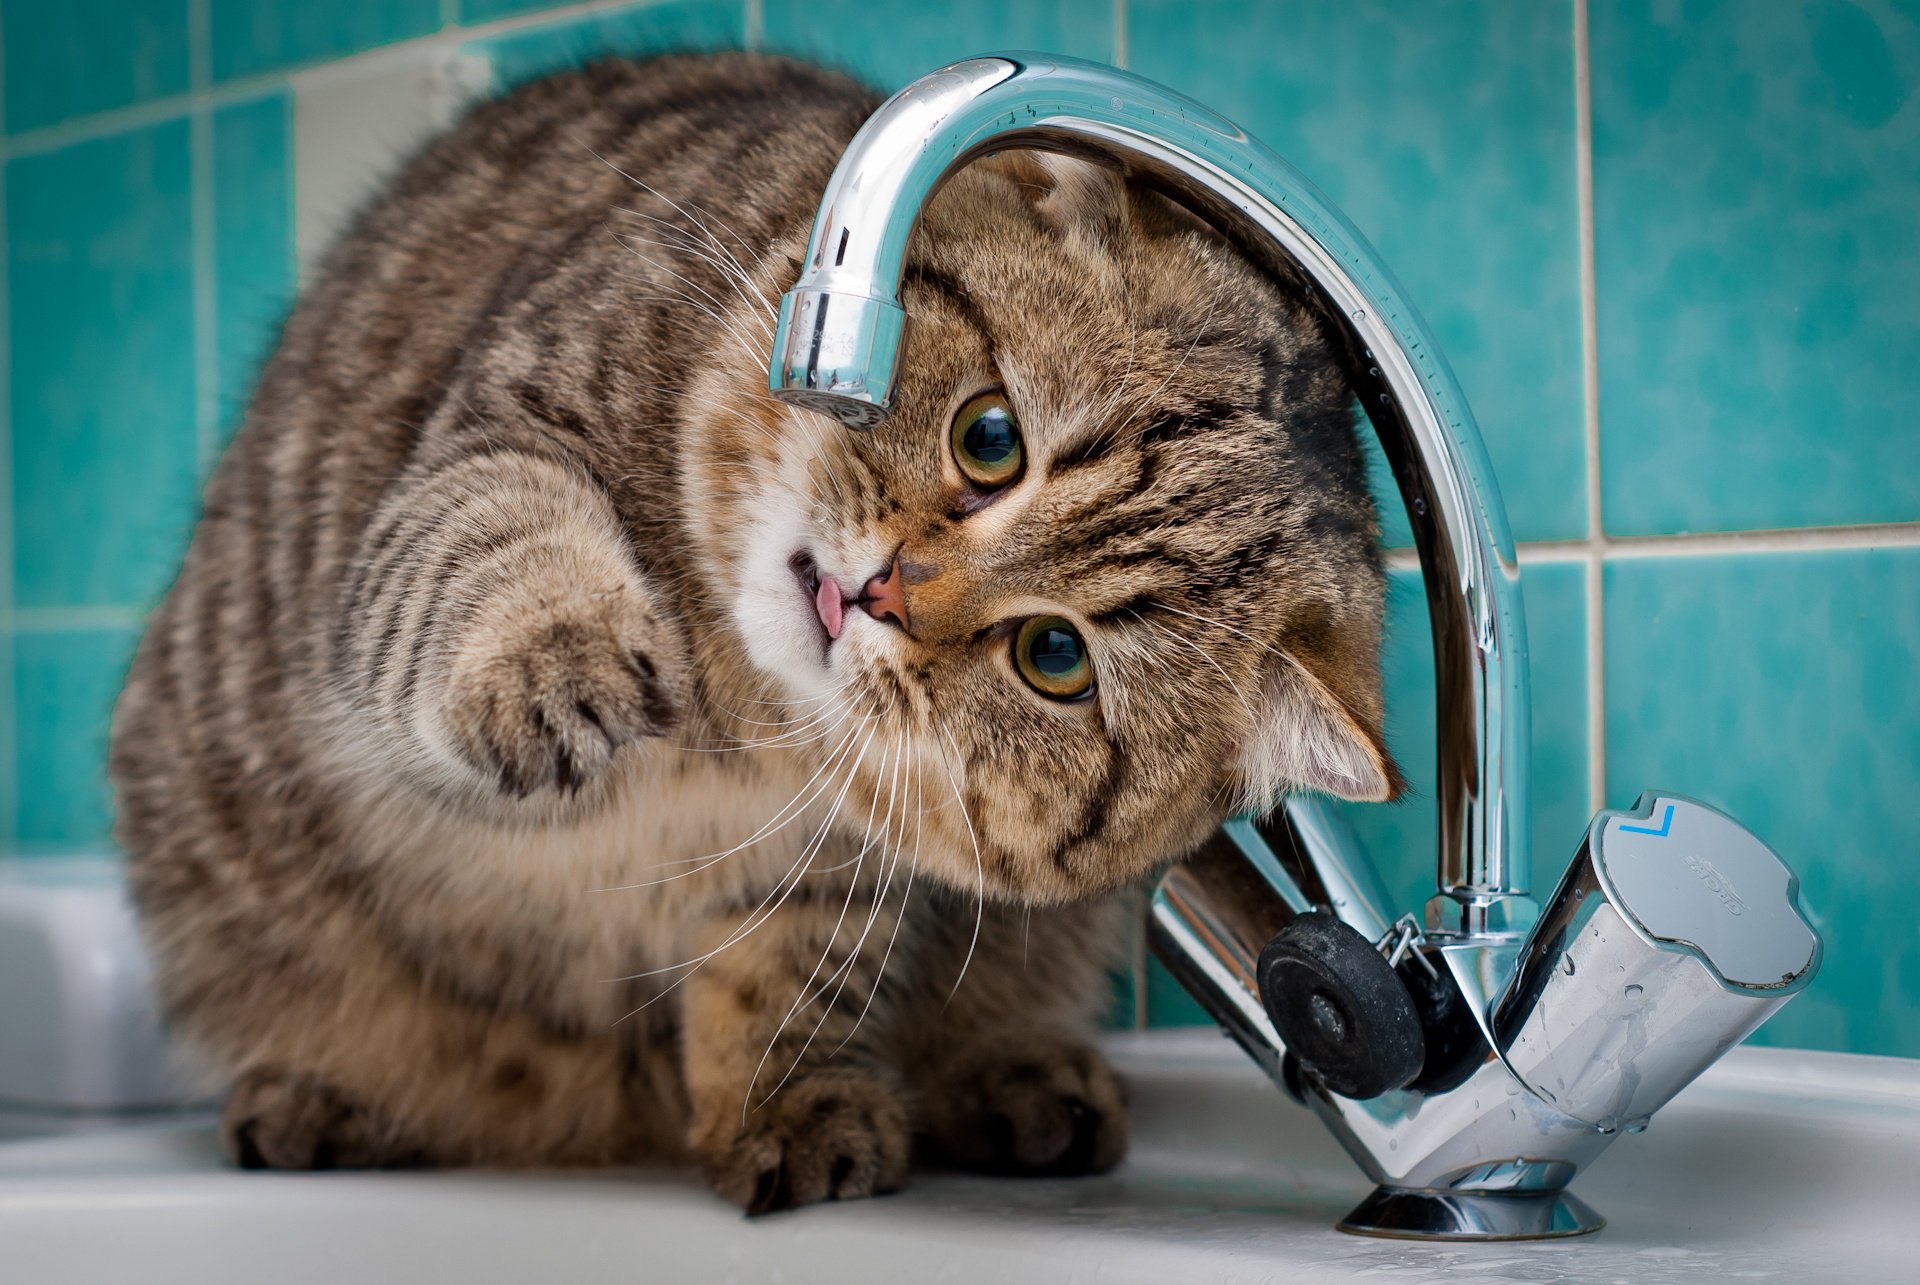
(885, 596)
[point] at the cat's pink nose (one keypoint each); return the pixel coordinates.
(885, 596)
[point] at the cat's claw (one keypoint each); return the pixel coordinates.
(275, 1120)
(826, 1137)
(543, 704)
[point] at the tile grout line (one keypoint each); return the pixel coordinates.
(754, 24)
(1699, 544)
(1120, 49)
(51, 620)
(1590, 405)
(80, 129)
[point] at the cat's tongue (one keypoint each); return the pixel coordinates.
(827, 601)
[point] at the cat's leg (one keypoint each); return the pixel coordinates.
(497, 634)
(1006, 1076)
(420, 1080)
(792, 1101)
(495, 638)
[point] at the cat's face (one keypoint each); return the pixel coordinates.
(1106, 574)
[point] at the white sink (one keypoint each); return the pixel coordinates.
(1783, 1166)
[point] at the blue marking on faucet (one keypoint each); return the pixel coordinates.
(1666, 824)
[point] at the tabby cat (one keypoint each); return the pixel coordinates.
(554, 751)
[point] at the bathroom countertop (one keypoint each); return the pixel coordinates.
(1776, 1165)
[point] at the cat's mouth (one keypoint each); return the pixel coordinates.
(824, 598)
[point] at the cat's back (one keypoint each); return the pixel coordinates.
(510, 210)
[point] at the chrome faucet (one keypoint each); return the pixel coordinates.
(1472, 1060)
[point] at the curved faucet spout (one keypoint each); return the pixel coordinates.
(841, 327)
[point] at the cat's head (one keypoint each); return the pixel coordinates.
(1108, 573)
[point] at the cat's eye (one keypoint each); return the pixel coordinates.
(986, 442)
(1050, 655)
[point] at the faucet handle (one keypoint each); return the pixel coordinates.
(1673, 934)
(1344, 1013)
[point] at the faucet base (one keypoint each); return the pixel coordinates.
(1399, 1214)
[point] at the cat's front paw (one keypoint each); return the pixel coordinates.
(277, 1120)
(1044, 1109)
(831, 1135)
(542, 698)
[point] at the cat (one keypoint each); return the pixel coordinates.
(555, 751)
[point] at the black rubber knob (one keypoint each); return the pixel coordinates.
(1342, 1010)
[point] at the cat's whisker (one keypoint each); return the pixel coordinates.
(758, 310)
(1221, 624)
(979, 866)
(760, 914)
(803, 1000)
(796, 806)
(757, 351)
(1200, 331)
(1205, 655)
(906, 894)
(719, 257)
(690, 216)
(802, 731)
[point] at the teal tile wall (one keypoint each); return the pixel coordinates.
(672, 26)
(253, 266)
(66, 58)
(1756, 171)
(913, 39)
(487, 10)
(1782, 688)
(255, 36)
(100, 278)
(1756, 254)
(64, 684)
(1446, 133)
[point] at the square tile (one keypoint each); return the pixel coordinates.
(915, 39)
(1446, 133)
(67, 58)
(1758, 259)
(255, 36)
(1401, 837)
(64, 683)
(672, 27)
(100, 278)
(1780, 688)
(254, 278)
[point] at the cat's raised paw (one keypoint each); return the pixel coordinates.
(543, 699)
(1045, 1110)
(828, 1136)
(277, 1120)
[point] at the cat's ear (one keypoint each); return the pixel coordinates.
(1067, 192)
(1306, 735)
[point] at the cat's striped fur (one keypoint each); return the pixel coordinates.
(489, 795)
